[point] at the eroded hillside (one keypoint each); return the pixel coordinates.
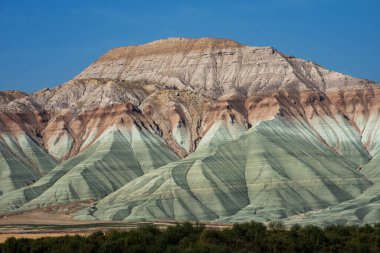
(195, 129)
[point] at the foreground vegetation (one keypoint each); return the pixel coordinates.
(248, 237)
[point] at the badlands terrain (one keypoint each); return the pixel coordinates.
(196, 130)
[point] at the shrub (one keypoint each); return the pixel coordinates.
(245, 237)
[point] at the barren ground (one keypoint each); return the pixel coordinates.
(56, 221)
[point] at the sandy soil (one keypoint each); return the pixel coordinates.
(38, 223)
(56, 221)
(39, 217)
(3, 237)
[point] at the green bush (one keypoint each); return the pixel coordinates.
(245, 237)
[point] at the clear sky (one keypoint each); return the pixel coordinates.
(47, 42)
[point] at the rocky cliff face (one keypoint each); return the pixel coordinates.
(192, 129)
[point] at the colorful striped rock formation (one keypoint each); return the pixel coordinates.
(196, 129)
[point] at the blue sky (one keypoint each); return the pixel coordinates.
(45, 43)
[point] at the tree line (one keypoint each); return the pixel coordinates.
(245, 237)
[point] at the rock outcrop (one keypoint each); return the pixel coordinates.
(195, 129)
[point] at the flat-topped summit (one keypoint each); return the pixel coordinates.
(216, 67)
(170, 46)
